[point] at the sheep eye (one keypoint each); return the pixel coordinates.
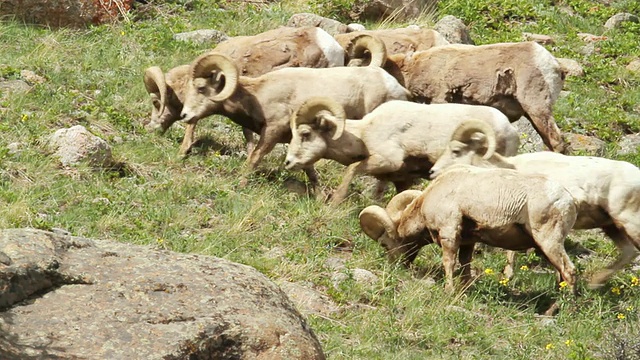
(156, 103)
(201, 89)
(305, 136)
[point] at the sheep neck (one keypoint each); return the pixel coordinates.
(349, 147)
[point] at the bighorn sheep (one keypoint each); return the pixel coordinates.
(264, 104)
(519, 79)
(401, 40)
(466, 205)
(607, 191)
(255, 55)
(397, 142)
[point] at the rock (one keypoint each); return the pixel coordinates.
(629, 144)
(202, 36)
(530, 140)
(591, 38)
(539, 38)
(14, 87)
(84, 299)
(616, 20)
(585, 145)
(588, 49)
(308, 300)
(331, 26)
(355, 27)
(76, 145)
(454, 30)
(364, 277)
(31, 77)
(65, 13)
(335, 263)
(14, 148)
(634, 66)
(571, 67)
(379, 10)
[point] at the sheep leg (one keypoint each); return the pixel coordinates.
(372, 165)
(511, 263)
(449, 242)
(465, 254)
(187, 141)
(544, 123)
(312, 174)
(626, 253)
(341, 192)
(266, 143)
(550, 239)
(249, 140)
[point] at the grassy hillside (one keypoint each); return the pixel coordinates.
(93, 77)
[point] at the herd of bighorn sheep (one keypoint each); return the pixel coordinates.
(403, 105)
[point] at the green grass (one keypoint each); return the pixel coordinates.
(94, 78)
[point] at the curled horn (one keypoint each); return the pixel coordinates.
(155, 83)
(399, 202)
(205, 64)
(466, 129)
(308, 111)
(375, 221)
(363, 43)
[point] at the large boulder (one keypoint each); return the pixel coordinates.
(65, 13)
(66, 297)
(331, 26)
(454, 30)
(77, 145)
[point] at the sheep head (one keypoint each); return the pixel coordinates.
(165, 91)
(213, 78)
(366, 50)
(471, 141)
(315, 122)
(381, 225)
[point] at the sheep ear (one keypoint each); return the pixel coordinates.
(331, 125)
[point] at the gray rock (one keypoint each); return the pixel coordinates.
(66, 297)
(364, 277)
(14, 87)
(379, 10)
(76, 145)
(634, 66)
(454, 30)
(65, 13)
(617, 19)
(585, 145)
(31, 77)
(571, 67)
(355, 27)
(539, 38)
(14, 148)
(629, 144)
(308, 300)
(530, 140)
(202, 36)
(331, 26)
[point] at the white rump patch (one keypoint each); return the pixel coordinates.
(330, 48)
(550, 69)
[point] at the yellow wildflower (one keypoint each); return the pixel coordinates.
(524, 268)
(24, 117)
(488, 271)
(563, 284)
(568, 342)
(621, 316)
(635, 281)
(160, 241)
(615, 290)
(629, 308)
(550, 346)
(504, 282)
